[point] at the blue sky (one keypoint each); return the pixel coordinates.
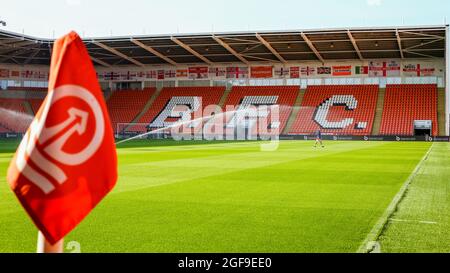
(48, 18)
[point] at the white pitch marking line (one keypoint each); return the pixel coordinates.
(414, 221)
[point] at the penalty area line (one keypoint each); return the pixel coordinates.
(413, 221)
(378, 228)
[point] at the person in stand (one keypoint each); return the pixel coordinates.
(318, 135)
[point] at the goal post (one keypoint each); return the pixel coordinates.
(138, 131)
(125, 130)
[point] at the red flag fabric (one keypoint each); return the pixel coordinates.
(66, 162)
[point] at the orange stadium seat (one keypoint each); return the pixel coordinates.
(14, 116)
(284, 96)
(403, 104)
(35, 104)
(337, 110)
(208, 95)
(4, 130)
(125, 105)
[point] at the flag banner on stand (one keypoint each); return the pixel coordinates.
(427, 71)
(342, 70)
(237, 72)
(15, 74)
(43, 75)
(100, 76)
(393, 69)
(27, 74)
(261, 72)
(128, 76)
(418, 70)
(294, 72)
(324, 70)
(361, 70)
(4, 73)
(281, 72)
(376, 68)
(170, 74)
(411, 70)
(384, 69)
(217, 72)
(111, 76)
(198, 72)
(152, 74)
(307, 71)
(24, 74)
(66, 162)
(160, 75)
(182, 73)
(141, 75)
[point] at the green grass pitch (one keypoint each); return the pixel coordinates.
(231, 197)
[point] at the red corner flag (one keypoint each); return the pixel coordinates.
(66, 162)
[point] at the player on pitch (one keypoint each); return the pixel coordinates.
(318, 135)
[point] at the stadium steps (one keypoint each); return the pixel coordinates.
(379, 112)
(107, 94)
(294, 113)
(441, 111)
(28, 108)
(146, 107)
(224, 98)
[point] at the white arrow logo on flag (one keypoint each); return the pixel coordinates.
(76, 123)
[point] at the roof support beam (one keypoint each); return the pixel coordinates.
(10, 54)
(154, 52)
(423, 44)
(17, 44)
(100, 62)
(355, 45)
(312, 47)
(259, 58)
(231, 50)
(240, 41)
(118, 53)
(422, 34)
(269, 47)
(399, 41)
(250, 48)
(190, 50)
(420, 54)
(30, 58)
(11, 50)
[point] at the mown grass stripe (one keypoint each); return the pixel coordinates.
(380, 225)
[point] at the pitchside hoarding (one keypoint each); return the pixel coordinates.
(367, 138)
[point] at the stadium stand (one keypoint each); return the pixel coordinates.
(178, 95)
(13, 116)
(4, 130)
(337, 110)
(125, 105)
(35, 104)
(403, 104)
(284, 96)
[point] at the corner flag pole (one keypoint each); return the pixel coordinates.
(43, 246)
